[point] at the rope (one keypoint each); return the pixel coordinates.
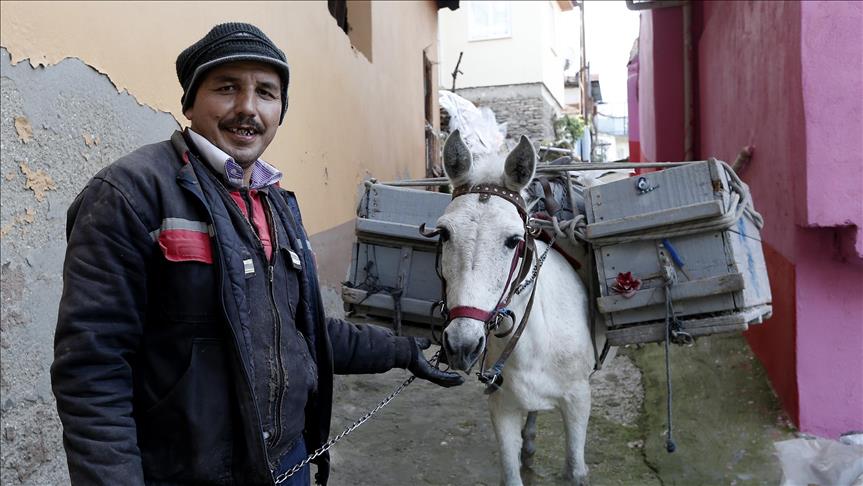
(670, 446)
(673, 333)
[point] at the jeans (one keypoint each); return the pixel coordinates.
(297, 454)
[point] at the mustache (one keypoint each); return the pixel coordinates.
(242, 122)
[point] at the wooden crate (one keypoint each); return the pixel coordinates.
(722, 285)
(391, 254)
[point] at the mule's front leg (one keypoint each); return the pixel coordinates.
(576, 412)
(507, 423)
(528, 437)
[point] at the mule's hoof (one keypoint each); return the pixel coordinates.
(527, 453)
(579, 480)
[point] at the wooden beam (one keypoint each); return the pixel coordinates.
(628, 224)
(685, 290)
(648, 333)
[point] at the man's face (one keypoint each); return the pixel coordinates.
(237, 108)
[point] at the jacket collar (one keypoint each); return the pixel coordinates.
(186, 176)
(262, 175)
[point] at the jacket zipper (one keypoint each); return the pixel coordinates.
(277, 318)
(237, 346)
(277, 406)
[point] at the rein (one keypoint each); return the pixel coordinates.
(493, 377)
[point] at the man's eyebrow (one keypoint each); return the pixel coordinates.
(268, 85)
(229, 78)
(225, 78)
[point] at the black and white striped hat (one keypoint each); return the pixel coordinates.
(229, 42)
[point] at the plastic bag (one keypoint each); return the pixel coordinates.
(478, 127)
(820, 461)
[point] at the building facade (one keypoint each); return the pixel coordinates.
(513, 60)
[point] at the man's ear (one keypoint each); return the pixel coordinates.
(456, 159)
(520, 165)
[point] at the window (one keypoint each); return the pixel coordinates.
(355, 19)
(433, 167)
(489, 20)
(339, 11)
(551, 23)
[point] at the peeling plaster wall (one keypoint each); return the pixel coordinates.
(349, 119)
(78, 123)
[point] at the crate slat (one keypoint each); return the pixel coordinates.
(704, 287)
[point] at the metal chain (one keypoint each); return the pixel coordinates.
(526, 283)
(330, 443)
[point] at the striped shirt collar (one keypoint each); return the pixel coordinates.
(263, 174)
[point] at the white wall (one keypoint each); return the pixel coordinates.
(533, 52)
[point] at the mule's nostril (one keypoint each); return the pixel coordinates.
(447, 346)
(478, 347)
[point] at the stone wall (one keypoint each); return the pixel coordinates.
(60, 125)
(527, 109)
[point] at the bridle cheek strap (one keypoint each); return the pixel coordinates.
(486, 316)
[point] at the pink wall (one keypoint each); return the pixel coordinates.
(660, 89)
(645, 100)
(749, 77)
(832, 37)
(786, 78)
(829, 336)
(632, 110)
(750, 94)
(830, 299)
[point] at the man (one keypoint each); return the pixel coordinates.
(191, 344)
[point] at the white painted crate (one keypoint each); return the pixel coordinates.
(391, 252)
(723, 286)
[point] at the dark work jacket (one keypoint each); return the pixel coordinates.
(282, 369)
(150, 372)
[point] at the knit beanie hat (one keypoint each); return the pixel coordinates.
(226, 43)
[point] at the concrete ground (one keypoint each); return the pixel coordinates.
(726, 419)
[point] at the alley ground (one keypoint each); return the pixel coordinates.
(726, 419)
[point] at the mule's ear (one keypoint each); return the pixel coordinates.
(456, 158)
(520, 165)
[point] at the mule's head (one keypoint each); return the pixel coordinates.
(479, 237)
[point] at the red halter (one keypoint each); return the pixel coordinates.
(484, 316)
(485, 191)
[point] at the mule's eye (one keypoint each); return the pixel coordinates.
(444, 234)
(513, 241)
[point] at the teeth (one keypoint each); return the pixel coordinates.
(243, 131)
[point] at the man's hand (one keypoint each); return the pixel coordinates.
(421, 368)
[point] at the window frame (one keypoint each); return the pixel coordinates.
(473, 35)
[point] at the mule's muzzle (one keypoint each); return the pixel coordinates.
(462, 354)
